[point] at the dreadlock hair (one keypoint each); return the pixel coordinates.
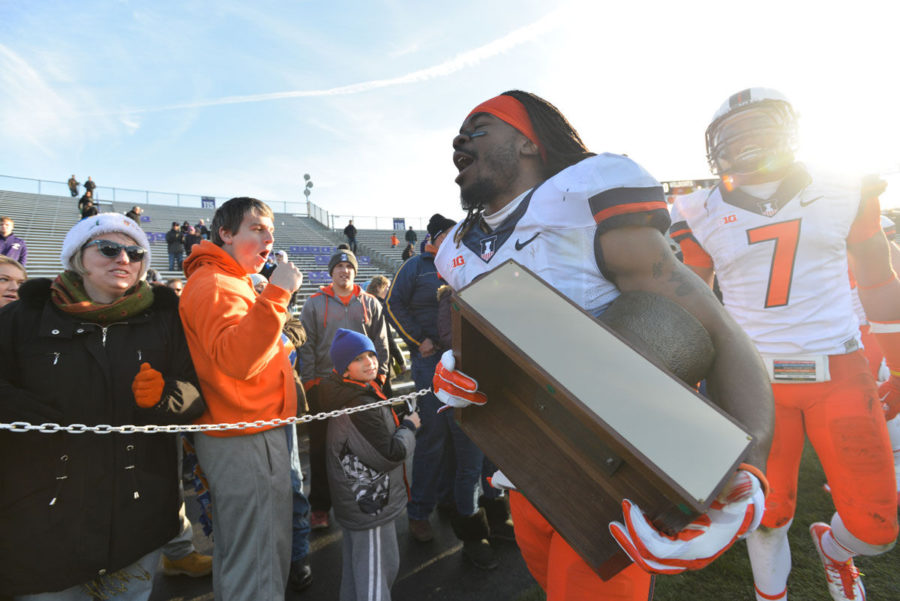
(562, 146)
(561, 143)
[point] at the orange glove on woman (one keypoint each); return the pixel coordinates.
(147, 386)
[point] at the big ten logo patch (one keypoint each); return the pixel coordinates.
(729, 219)
(458, 261)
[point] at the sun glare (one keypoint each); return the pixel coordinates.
(850, 142)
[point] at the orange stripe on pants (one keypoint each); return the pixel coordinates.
(560, 571)
(845, 424)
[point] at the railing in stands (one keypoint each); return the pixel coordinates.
(139, 197)
(105, 194)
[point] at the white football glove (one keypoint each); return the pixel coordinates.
(500, 481)
(454, 388)
(736, 512)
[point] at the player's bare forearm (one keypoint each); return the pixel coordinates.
(639, 259)
(707, 274)
(879, 290)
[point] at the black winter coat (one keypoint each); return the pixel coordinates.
(175, 241)
(75, 506)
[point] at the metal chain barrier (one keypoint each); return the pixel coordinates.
(409, 399)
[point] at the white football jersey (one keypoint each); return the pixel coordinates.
(781, 263)
(552, 230)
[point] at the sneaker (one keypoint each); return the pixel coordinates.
(193, 564)
(300, 576)
(318, 520)
(843, 579)
(421, 530)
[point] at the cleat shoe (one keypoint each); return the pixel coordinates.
(193, 564)
(318, 520)
(421, 530)
(843, 579)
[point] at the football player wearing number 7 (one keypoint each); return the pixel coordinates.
(592, 227)
(779, 239)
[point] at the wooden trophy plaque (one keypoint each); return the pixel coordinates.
(578, 420)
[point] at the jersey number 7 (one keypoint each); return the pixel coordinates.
(786, 236)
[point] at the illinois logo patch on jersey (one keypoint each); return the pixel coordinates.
(767, 208)
(488, 248)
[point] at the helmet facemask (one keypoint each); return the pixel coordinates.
(758, 138)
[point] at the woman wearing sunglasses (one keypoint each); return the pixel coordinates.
(83, 515)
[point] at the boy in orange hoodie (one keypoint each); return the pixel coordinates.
(246, 375)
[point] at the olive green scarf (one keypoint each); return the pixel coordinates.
(68, 293)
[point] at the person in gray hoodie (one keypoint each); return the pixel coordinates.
(341, 304)
(366, 457)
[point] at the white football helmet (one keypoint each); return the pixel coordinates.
(754, 131)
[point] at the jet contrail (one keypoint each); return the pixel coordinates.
(466, 59)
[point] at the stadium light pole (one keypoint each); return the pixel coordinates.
(306, 192)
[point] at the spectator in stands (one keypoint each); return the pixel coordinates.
(191, 238)
(408, 252)
(378, 287)
(367, 452)
(89, 186)
(341, 304)
(425, 242)
(11, 246)
(97, 508)
(202, 230)
(411, 236)
(412, 306)
(87, 197)
(73, 186)
(176, 285)
(88, 210)
(394, 240)
(135, 214)
(245, 372)
(12, 276)
(153, 276)
(175, 246)
(350, 233)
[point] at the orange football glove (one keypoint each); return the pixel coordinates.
(454, 388)
(736, 512)
(147, 386)
(890, 397)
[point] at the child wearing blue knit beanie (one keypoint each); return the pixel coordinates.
(367, 453)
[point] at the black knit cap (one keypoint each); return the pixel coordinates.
(439, 224)
(341, 256)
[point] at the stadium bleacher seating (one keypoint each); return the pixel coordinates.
(42, 221)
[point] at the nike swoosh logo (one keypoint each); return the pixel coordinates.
(809, 202)
(521, 245)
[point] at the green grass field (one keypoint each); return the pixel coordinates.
(729, 578)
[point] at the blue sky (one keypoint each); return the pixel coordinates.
(235, 98)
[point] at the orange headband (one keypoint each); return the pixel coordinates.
(508, 109)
